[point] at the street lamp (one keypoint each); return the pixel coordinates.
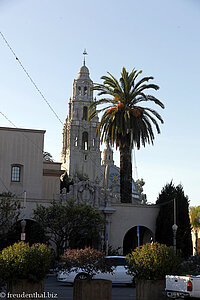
(23, 222)
(23, 225)
(174, 228)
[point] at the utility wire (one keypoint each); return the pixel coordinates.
(34, 84)
(14, 54)
(36, 145)
(22, 132)
(7, 119)
(41, 94)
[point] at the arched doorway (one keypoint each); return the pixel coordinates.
(34, 233)
(135, 235)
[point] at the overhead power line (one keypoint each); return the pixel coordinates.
(22, 132)
(41, 94)
(34, 84)
(7, 119)
(14, 54)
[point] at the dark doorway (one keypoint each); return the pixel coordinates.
(131, 238)
(34, 234)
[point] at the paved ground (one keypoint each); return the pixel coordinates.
(65, 291)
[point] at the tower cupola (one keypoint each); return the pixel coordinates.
(83, 73)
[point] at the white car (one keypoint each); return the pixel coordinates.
(119, 274)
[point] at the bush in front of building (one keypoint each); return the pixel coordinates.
(153, 261)
(191, 265)
(21, 261)
(90, 261)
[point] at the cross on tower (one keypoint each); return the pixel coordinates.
(84, 53)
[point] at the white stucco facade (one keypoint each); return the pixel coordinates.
(40, 180)
(23, 148)
(128, 216)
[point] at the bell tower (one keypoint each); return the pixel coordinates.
(81, 148)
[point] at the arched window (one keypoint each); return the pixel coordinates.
(85, 90)
(16, 173)
(76, 142)
(85, 113)
(79, 90)
(85, 140)
(93, 142)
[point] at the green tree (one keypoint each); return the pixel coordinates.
(9, 214)
(70, 225)
(65, 181)
(195, 223)
(124, 122)
(165, 219)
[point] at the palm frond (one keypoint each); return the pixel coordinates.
(144, 97)
(142, 81)
(154, 112)
(114, 80)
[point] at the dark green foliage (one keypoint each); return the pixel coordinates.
(165, 219)
(191, 266)
(65, 182)
(20, 261)
(9, 214)
(153, 261)
(114, 251)
(70, 225)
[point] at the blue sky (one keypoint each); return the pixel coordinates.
(159, 37)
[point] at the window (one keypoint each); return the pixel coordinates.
(85, 91)
(15, 173)
(85, 113)
(85, 140)
(76, 142)
(93, 142)
(79, 90)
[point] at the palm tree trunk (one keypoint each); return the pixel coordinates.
(196, 242)
(125, 174)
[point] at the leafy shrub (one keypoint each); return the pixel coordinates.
(20, 261)
(153, 261)
(114, 251)
(191, 266)
(90, 261)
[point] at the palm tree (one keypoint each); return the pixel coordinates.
(195, 223)
(124, 122)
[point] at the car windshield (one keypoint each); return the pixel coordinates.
(117, 261)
